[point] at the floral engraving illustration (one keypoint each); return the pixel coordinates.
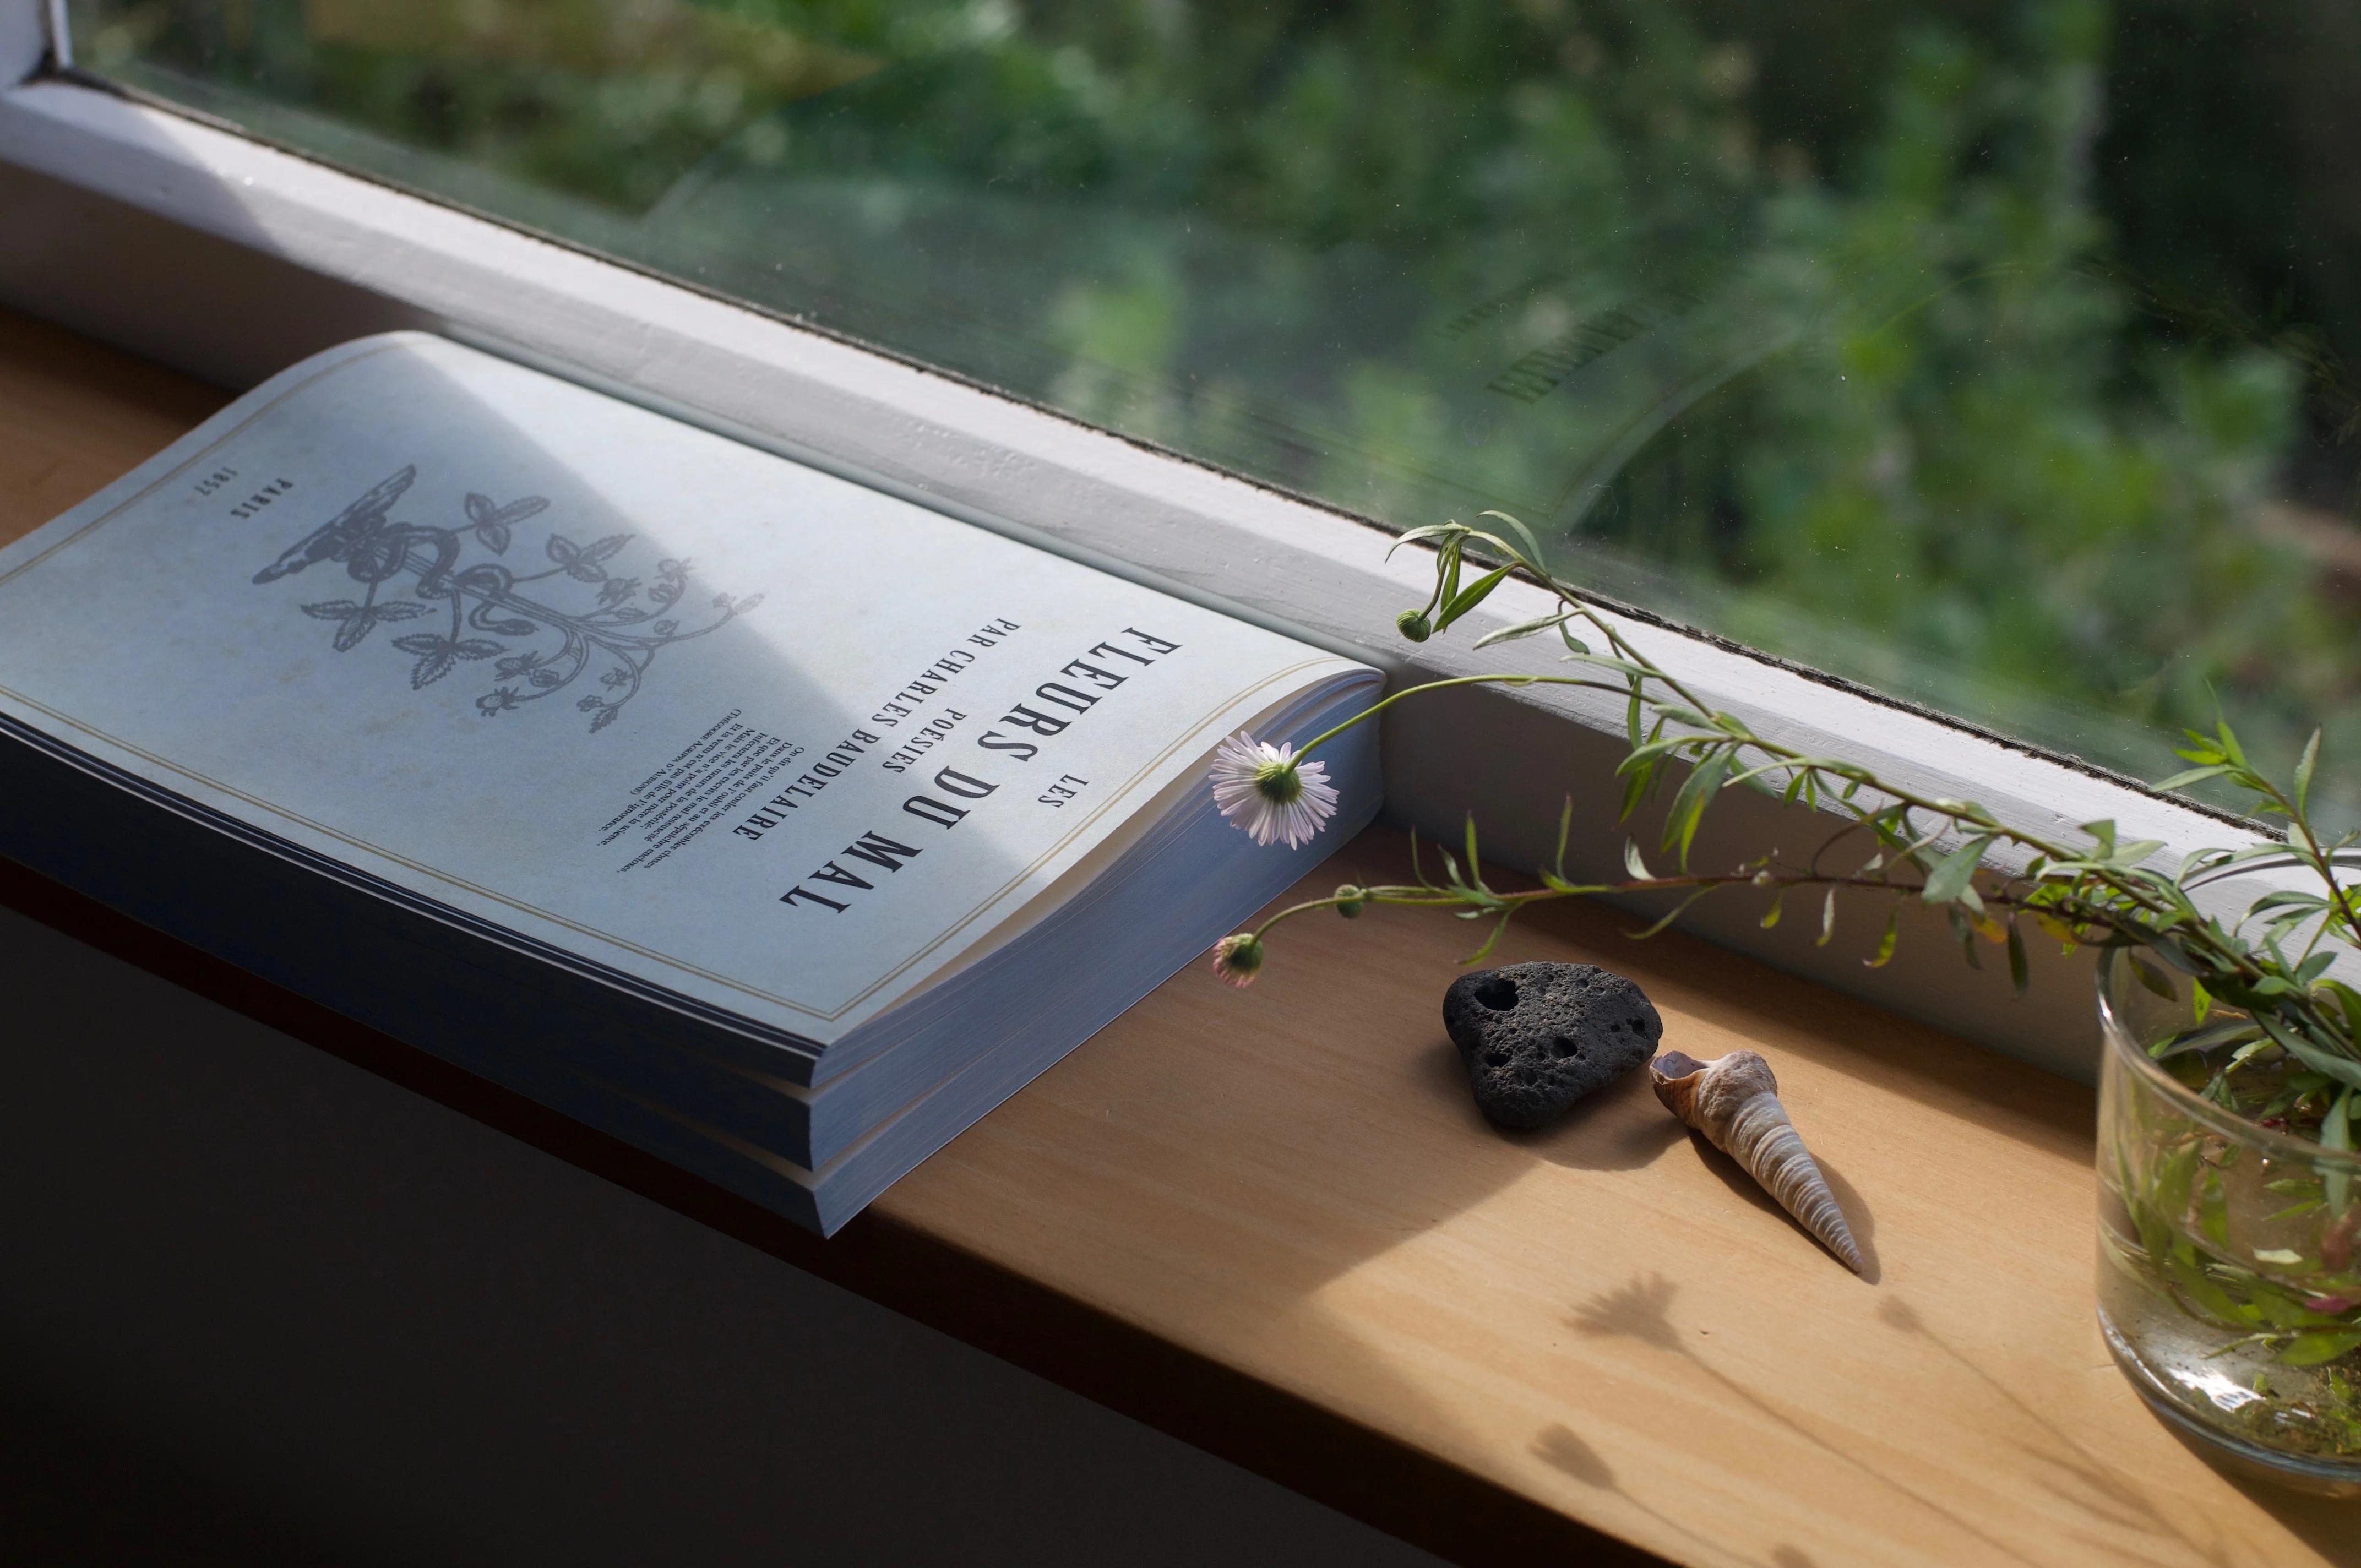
(538, 648)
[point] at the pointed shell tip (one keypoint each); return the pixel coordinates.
(1734, 1102)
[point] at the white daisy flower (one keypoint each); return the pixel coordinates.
(1266, 789)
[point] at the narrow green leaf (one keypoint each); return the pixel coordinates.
(1633, 863)
(2213, 1210)
(1419, 535)
(2336, 1132)
(1963, 931)
(2303, 769)
(1688, 809)
(2174, 1177)
(1770, 915)
(1828, 919)
(2196, 859)
(1954, 876)
(2151, 977)
(1532, 546)
(2342, 1069)
(1635, 789)
(2104, 832)
(2216, 1302)
(2209, 1037)
(1469, 597)
(2202, 997)
(2293, 1211)
(1564, 827)
(2349, 1001)
(1678, 910)
(1642, 755)
(1491, 942)
(2177, 781)
(1511, 633)
(1885, 943)
(2290, 899)
(2316, 1349)
(2280, 1310)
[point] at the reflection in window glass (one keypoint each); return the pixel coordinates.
(1996, 355)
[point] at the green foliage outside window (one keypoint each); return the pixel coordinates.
(1995, 356)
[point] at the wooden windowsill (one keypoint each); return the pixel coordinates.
(1272, 1225)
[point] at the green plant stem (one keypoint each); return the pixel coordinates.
(2106, 894)
(1418, 896)
(1956, 818)
(1780, 757)
(1382, 704)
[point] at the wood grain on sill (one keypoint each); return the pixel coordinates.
(1272, 1223)
(73, 417)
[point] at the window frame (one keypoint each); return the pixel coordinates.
(366, 254)
(31, 33)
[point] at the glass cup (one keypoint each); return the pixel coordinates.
(2229, 1252)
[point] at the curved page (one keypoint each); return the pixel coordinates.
(685, 714)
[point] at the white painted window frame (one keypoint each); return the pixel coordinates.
(110, 199)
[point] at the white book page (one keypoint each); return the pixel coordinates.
(745, 731)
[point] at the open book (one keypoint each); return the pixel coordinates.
(775, 824)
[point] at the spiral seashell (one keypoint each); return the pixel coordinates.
(1734, 1102)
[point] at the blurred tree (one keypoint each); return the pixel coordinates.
(1992, 355)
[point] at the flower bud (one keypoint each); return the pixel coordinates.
(1351, 901)
(1238, 959)
(1414, 624)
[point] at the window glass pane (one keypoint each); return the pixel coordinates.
(1997, 355)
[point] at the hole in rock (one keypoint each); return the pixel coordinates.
(1565, 1047)
(1498, 993)
(1496, 1059)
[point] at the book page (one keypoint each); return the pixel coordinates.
(690, 712)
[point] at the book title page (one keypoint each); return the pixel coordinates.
(689, 710)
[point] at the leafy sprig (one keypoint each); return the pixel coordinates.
(1991, 880)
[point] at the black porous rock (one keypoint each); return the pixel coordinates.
(1537, 1037)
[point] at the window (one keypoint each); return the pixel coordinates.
(1994, 357)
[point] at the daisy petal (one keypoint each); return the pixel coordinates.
(1266, 791)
